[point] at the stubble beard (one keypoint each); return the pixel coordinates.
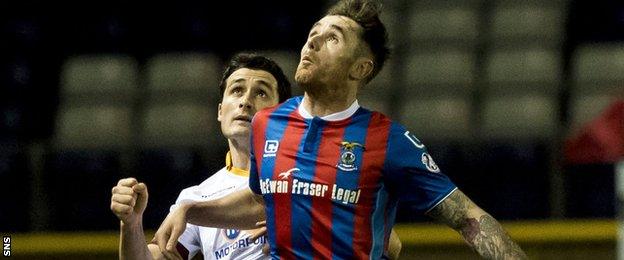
(303, 77)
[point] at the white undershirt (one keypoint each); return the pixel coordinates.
(331, 117)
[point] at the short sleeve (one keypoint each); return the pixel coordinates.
(190, 238)
(412, 174)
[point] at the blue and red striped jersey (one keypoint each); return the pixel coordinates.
(331, 188)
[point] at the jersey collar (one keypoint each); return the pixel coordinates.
(342, 115)
(230, 168)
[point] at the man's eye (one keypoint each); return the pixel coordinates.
(262, 94)
(332, 39)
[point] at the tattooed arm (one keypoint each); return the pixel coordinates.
(480, 230)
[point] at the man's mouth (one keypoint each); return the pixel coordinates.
(243, 118)
(306, 59)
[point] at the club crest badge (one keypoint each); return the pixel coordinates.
(347, 156)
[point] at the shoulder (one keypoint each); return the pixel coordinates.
(278, 114)
(375, 119)
(404, 148)
(215, 178)
(401, 134)
(285, 108)
(380, 122)
(383, 126)
(196, 192)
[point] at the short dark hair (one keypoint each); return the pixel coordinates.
(366, 14)
(257, 62)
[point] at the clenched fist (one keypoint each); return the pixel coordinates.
(129, 200)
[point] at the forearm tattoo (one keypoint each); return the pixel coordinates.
(483, 233)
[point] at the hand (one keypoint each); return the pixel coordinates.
(166, 237)
(258, 232)
(129, 200)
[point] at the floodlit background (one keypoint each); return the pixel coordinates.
(519, 102)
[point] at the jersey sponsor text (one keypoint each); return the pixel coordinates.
(299, 187)
(238, 244)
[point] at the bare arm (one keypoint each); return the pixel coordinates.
(480, 230)
(240, 210)
(128, 202)
(132, 243)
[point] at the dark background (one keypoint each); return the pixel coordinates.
(509, 179)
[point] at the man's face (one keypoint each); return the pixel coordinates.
(329, 51)
(246, 92)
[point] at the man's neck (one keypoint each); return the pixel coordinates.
(322, 104)
(239, 151)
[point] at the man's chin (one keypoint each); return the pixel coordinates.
(238, 132)
(303, 77)
(239, 138)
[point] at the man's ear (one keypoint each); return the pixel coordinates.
(219, 113)
(362, 68)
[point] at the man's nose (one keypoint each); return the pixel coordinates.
(313, 43)
(245, 101)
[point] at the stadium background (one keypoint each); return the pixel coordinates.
(93, 92)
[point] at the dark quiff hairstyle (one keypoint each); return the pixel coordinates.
(366, 14)
(257, 62)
